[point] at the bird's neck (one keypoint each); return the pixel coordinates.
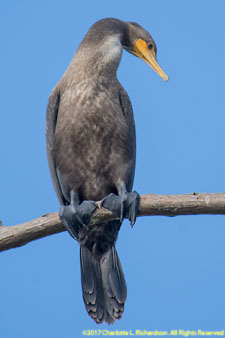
(98, 63)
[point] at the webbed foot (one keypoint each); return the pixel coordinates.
(75, 217)
(125, 205)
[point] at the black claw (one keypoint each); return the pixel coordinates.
(75, 217)
(85, 210)
(112, 202)
(122, 206)
(132, 205)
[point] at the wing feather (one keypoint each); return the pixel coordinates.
(51, 121)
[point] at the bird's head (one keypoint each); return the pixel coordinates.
(139, 42)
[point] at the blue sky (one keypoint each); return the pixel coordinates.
(174, 267)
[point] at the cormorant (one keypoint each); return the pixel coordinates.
(91, 148)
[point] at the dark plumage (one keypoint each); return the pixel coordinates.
(91, 150)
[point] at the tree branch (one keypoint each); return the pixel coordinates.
(150, 205)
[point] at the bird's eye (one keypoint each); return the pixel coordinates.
(150, 45)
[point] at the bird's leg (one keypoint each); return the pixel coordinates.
(125, 204)
(76, 216)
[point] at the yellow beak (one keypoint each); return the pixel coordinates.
(141, 50)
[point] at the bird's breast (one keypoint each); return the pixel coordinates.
(91, 137)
